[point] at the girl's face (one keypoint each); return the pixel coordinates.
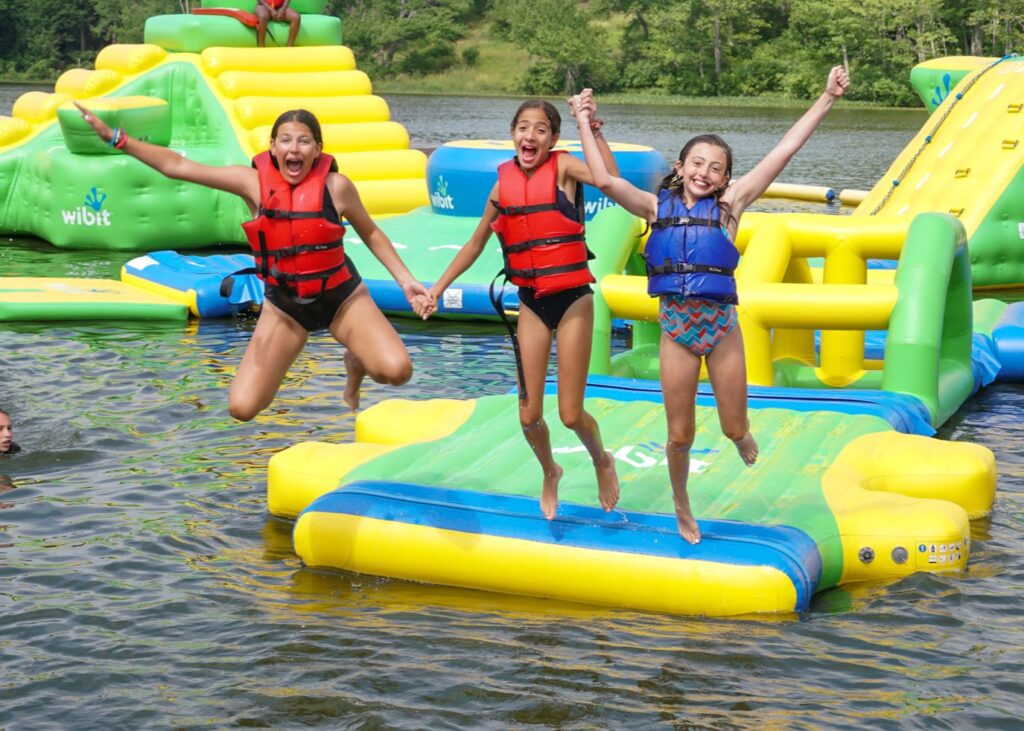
(533, 138)
(295, 150)
(6, 432)
(704, 170)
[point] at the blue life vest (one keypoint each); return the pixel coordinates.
(689, 253)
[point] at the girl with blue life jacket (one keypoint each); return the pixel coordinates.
(297, 199)
(691, 261)
(540, 228)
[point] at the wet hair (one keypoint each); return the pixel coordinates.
(554, 118)
(5, 413)
(301, 116)
(672, 182)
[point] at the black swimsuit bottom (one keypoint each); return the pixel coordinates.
(552, 308)
(314, 313)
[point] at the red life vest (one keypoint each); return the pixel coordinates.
(294, 244)
(543, 248)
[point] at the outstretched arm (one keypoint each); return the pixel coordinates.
(748, 188)
(636, 201)
(464, 259)
(242, 181)
(350, 205)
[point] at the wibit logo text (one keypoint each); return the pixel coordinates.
(90, 213)
(440, 198)
(600, 204)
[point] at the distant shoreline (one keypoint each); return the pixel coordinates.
(406, 87)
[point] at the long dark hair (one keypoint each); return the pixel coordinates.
(301, 116)
(674, 183)
(554, 118)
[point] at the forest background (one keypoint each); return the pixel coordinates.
(642, 48)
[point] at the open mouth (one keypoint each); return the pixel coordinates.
(527, 154)
(293, 166)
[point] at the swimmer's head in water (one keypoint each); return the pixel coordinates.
(295, 143)
(6, 432)
(535, 130)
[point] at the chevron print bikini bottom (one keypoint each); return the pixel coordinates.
(697, 325)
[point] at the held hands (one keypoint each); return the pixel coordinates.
(98, 125)
(424, 306)
(421, 299)
(838, 82)
(584, 108)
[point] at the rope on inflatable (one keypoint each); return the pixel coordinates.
(931, 135)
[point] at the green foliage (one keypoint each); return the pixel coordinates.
(470, 55)
(403, 35)
(571, 51)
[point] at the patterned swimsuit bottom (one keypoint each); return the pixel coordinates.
(698, 325)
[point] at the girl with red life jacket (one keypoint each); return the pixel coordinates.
(541, 234)
(694, 218)
(297, 199)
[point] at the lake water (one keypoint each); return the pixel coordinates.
(142, 583)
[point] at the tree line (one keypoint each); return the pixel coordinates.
(689, 47)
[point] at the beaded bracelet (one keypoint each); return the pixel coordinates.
(117, 139)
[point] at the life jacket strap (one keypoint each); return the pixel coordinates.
(551, 240)
(680, 268)
(686, 221)
(546, 271)
(281, 214)
(323, 274)
(523, 210)
(304, 249)
(512, 331)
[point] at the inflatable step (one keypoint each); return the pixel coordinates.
(502, 543)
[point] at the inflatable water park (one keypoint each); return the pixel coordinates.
(863, 333)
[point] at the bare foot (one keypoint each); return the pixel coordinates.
(549, 494)
(687, 523)
(747, 448)
(356, 373)
(607, 483)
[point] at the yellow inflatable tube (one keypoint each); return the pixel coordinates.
(523, 567)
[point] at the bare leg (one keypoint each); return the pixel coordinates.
(355, 373)
(293, 25)
(680, 371)
(373, 348)
(275, 344)
(535, 348)
(262, 18)
(727, 371)
(575, 333)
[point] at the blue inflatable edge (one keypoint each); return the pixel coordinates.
(1008, 342)
(202, 274)
(787, 549)
(987, 362)
(476, 299)
(905, 413)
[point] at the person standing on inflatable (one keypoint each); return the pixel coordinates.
(541, 232)
(267, 10)
(691, 259)
(297, 199)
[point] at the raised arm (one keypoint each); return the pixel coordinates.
(748, 188)
(237, 179)
(636, 201)
(350, 205)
